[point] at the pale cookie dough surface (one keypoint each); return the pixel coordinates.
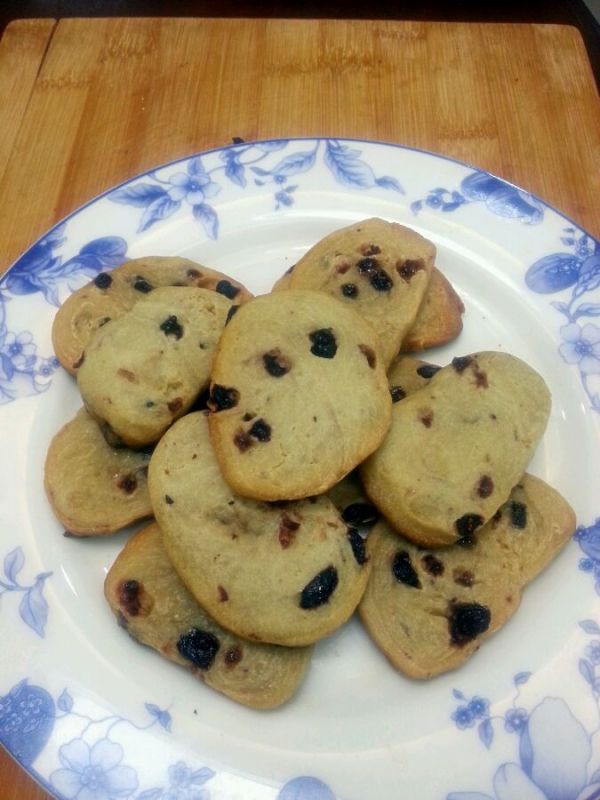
(95, 489)
(298, 393)
(430, 611)
(149, 600)
(145, 369)
(111, 294)
(380, 269)
(457, 447)
(286, 573)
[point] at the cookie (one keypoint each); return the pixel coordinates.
(299, 395)
(145, 369)
(430, 611)
(93, 488)
(286, 573)
(438, 321)
(380, 269)
(152, 604)
(457, 447)
(111, 294)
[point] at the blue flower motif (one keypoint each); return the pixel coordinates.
(463, 717)
(185, 783)
(582, 347)
(515, 720)
(20, 350)
(479, 707)
(194, 187)
(93, 773)
(586, 564)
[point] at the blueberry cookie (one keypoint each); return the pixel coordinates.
(299, 395)
(380, 269)
(111, 294)
(285, 573)
(152, 604)
(145, 369)
(430, 611)
(457, 447)
(438, 321)
(93, 488)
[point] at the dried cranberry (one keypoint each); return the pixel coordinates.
(485, 487)
(127, 483)
(287, 530)
(199, 647)
(319, 589)
(129, 597)
(233, 656)
(407, 269)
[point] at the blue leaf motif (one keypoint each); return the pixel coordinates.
(161, 208)
(591, 546)
(522, 678)
(109, 250)
(200, 776)
(150, 794)
(587, 310)
(553, 273)
(458, 695)
(163, 717)
(589, 626)
(209, 219)
(195, 166)
(305, 788)
(140, 195)
(486, 732)
(416, 206)
(480, 185)
(13, 562)
(386, 182)
(7, 367)
(562, 307)
(34, 608)
(236, 172)
(587, 670)
(294, 163)
(347, 168)
(65, 702)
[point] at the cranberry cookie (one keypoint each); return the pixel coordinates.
(111, 294)
(150, 601)
(145, 369)
(430, 611)
(285, 573)
(299, 395)
(95, 489)
(457, 447)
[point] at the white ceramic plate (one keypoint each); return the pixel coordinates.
(94, 716)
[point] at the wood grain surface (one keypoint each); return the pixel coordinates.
(85, 104)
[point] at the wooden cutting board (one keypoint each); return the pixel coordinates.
(85, 104)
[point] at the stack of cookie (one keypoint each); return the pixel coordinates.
(298, 465)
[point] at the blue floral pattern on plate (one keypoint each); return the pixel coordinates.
(76, 752)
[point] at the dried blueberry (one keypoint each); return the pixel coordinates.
(222, 397)
(428, 370)
(199, 647)
(324, 343)
(360, 514)
(381, 281)
(349, 290)
(275, 363)
(227, 289)
(102, 280)
(319, 589)
(171, 327)
(433, 565)
(169, 500)
(261, 431)
(518, 514)
(142, 285)
(403, 570)
(357, 543)
(467, 621)
(397, 393)
(366, 265)
(127, 483)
